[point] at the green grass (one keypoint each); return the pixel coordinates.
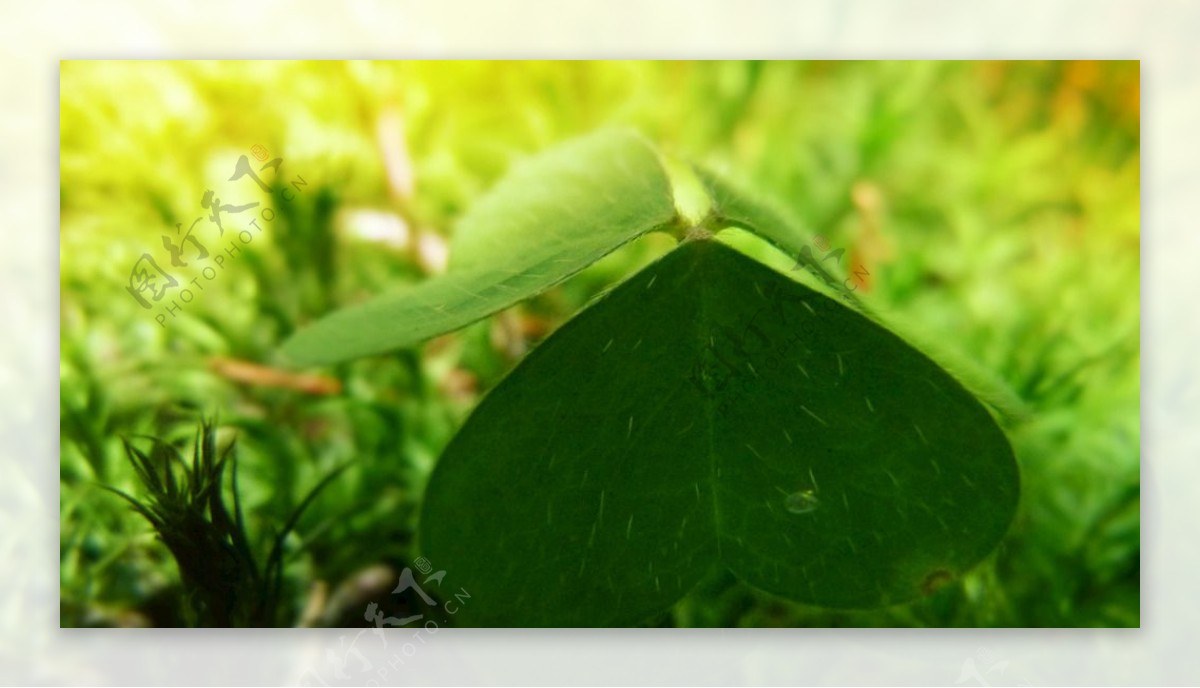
(226, 583)
(995, 205)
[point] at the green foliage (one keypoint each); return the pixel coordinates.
(926, 507)
(186, 506)
(996, 206)
(816, 456)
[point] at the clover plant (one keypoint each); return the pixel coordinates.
(707, 412)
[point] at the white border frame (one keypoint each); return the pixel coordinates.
(34, 36)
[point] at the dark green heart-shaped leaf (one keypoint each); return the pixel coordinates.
(710, 412)
(554, 215)
(733, 206)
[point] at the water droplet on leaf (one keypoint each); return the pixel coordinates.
(802, 502)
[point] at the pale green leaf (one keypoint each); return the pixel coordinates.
(739, 208)
(551, 217)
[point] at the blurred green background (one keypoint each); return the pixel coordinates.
(995, 206)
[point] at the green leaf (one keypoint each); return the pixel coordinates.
(551, 217)
(710, 412)
(737, 207)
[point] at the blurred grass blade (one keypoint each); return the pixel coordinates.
(277, 548)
